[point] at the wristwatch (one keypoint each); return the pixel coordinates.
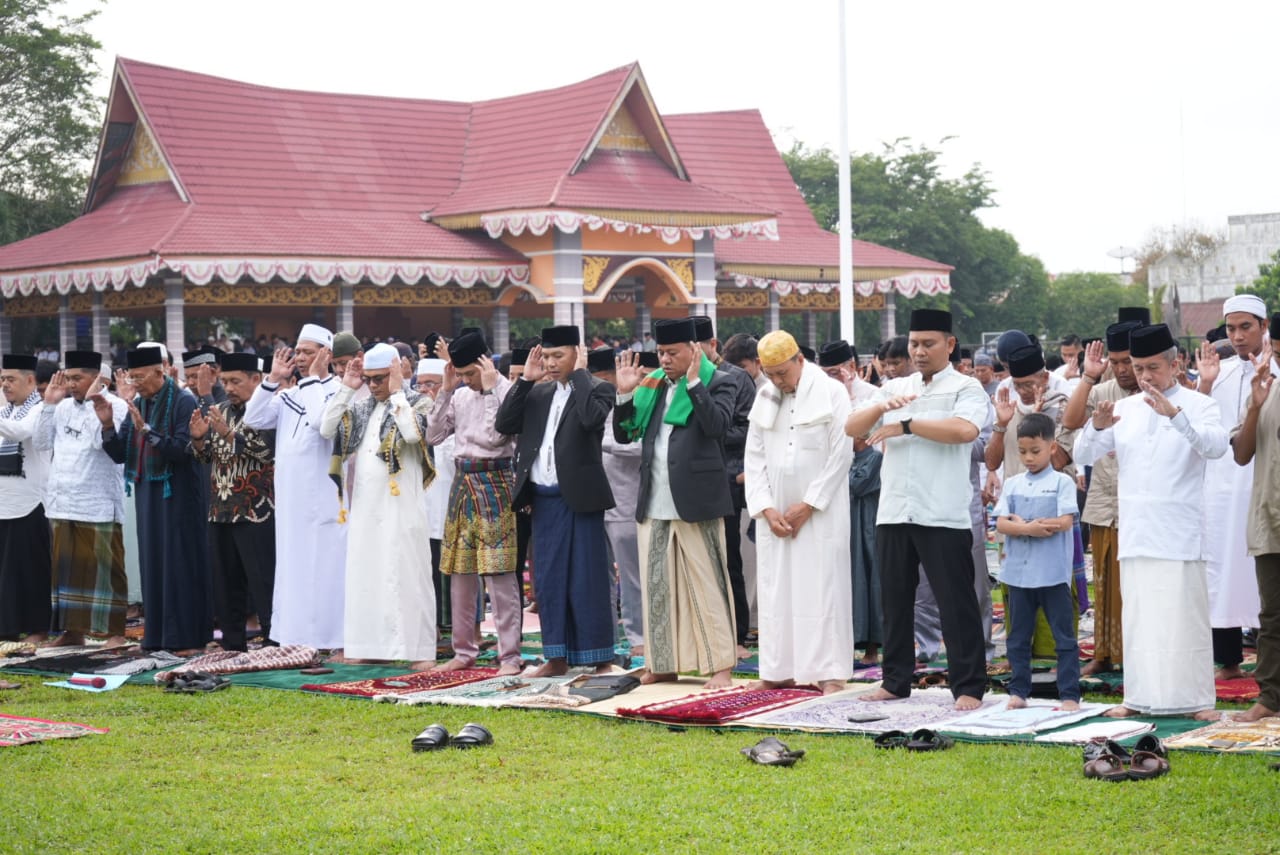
(146, 429)
(906, 426)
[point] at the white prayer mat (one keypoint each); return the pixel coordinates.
(1037, 716)
(1111, 728)
(931, 708)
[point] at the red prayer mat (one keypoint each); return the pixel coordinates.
(720, 706)
(404, 684)
(15, 730)
(1239, 690)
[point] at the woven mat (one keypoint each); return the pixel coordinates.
(493, 692)
(1233, 736)
(720, 706)
(1239, 690)
(403, 684)
(15, 730)
(924, 708)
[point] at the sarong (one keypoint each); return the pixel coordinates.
(688, 611)
(1108, 637)
(572, 582)
(480, 527)
(90, 588)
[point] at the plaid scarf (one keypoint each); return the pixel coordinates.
(646, 398)
(150, 467)
(351, 432)
(13, 448)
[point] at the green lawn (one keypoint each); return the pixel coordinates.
(263, 771)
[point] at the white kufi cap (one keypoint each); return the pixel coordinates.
(316, 333)
(379, 356)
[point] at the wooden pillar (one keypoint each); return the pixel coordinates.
(100, 326)
(346, 308)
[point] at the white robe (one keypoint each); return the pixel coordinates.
(390, 604)
(1233, 585)
(436, 497)
(797, 451)
(311, 545)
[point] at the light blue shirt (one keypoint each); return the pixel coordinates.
(1037, 562)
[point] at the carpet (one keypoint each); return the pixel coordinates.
(1232, 736)
(1036, 717)
(285, 657)
(403, 684)
(73, 661)
(720, 706)
(1109, 728)
(15, 730)
(1239, 690)
(930, 708)
(494, 692)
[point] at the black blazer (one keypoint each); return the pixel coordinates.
(579, 470)
(695, 457)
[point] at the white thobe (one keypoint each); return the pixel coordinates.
(1233, 585)
(436, 497)
(390, 604)
(311, 544)
(797, 451)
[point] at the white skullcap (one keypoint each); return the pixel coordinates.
(1245, 303)
(164, 351)
(380, 356)
(316, 333)
(431, 366)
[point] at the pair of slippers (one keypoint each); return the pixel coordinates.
(921, 740)
(436, 737)
(196, 682)
(1107, 760)
(771, 752)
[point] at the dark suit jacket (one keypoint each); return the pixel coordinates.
(579, 470)
(695, 457)
(735, 438)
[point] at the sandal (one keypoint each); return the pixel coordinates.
(891, 739)
(1145, 765)
(927, 740)
(433, 738)
(1106, 767)
(772, 752)
(472, 736)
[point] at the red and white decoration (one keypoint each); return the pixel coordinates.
(538, 222)
(908, 285)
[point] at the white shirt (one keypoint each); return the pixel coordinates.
(85, 485)
(924, 482)
(1161, 471)
(544, 466)
(19, 495)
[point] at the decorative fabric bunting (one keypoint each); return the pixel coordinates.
(908, 285)
(538, 222)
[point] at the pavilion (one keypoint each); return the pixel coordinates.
(216, 198)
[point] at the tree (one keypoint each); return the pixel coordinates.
(1085, 304)
(902, 200)
(1186, 243)
(1267, 283)
(49, 117)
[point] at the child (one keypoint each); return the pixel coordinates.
(1036, 513)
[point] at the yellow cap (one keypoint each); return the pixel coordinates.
(776, 348)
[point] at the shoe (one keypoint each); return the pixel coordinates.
(431, 739)
(771, 752)
(196, 682)
(472, 736)
(926, 740)
(891, 739)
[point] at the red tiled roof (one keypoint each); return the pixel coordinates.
(734, 153)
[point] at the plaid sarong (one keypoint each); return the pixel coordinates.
(90, 591)
(480, 526)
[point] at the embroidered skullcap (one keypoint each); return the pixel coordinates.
(561, 336)
(674, 331)
(1026, 361)
(86, 359)
(379, 356)
(316, 333)
(601, 359)
(1245, 303)
(930, 320)
(1141, 314)
(427, 367)
(143, 357)
(776, 348)
(345, 344)
(835, 353)
(703, 329)
(1150, 341)
(192, 358)
(241, 362)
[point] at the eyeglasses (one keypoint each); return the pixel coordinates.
(376, 379)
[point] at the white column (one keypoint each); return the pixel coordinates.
(500, 323)
(100, 326)
(773, 314)
(174, 319)
(888, 318)
(811, 329)
(704, 277)
(346, 308)
(568, 309)
(66, 325)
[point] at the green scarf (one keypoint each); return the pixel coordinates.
(646, 398)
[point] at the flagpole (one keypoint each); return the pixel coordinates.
(846, 205)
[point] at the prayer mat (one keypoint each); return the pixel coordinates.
(749, 666)
(15, 730)
(236, 662)
(875, 673)
(930, 708)
(1086, 650)
(293, 680)
(494, 692)
(1036, 717)
(1111, 728)
(17, 648)
(403, 684)
(720, 706)
(1239, 690)
(1228, 735)
(75, 660)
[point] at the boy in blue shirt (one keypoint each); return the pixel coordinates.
(1036, 513)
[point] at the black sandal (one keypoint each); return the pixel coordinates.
(472, 736)
(433, 738)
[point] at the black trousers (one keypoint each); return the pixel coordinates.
(524, 533)
(26, 574)
(945, 554)
(737, 582)
(244, 563)
(1228, 646)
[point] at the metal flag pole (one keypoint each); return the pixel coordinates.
(846, 215)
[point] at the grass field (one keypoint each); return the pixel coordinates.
(263, 771)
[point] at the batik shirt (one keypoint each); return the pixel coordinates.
(242, 475)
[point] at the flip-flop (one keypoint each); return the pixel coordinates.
(891, 739)
(5, 685)
(772, 752)
(1106, 767)
(1146, 765)
(472, 736)
(926, 740)
(431, 739)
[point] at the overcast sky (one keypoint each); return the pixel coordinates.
(1096, 121)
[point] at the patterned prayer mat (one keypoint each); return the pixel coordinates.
(15, 730)
(235, 662)
(1233, 736)
(403, 684)
(493, 692)
(720, 706)
(75, 660)
(925, 708)
(1239, 690)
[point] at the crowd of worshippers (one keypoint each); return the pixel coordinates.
(362, 499)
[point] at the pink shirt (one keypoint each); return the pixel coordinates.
(470, 416)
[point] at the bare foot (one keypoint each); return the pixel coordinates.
(1097, 666)
(1120, 712)
(67, 639)
(510, 669)
(742, 653)
(1208, 715)
(116, 641)
(604, 668)
(1016, 703)
(720, 680)
(830, 687)
(647, 677)
(771, 684)
(869, 661)
(423, 665)
(455, 664)
(37, 638)
(1255, 713)
(965, 703)
(880, 694)
(550, 668)
(187, 654)
(1225, 673)
(1069, 706)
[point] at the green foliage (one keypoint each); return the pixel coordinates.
(1086, 303)
(1267, 283)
